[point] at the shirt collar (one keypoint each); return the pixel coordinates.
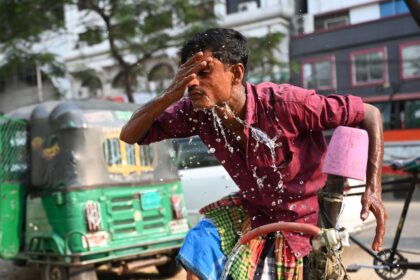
(250, 114)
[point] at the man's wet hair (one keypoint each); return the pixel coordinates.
(227, 45)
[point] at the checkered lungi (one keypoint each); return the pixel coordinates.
(212, 251)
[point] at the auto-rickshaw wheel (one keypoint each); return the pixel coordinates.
(169, 269)
(55, 272)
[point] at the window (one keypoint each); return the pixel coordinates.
(112, 152)
(91, 87)
(400, 114)
(412, 114)
(319, 73)
(235, 6)
(392, 8)
(125, 159)
(193, 153)
(410, 60)
(385, 108)
(332, 21)
(369, 67)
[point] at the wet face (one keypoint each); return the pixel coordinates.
(212, 86)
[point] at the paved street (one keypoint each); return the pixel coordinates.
(410, 241)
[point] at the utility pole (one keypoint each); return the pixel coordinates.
(39, 84)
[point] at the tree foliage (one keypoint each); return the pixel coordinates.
(22, 25)
(265, 62)
(134, 30)
(137, 28)
(142, 29)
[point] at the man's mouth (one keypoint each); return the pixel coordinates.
(196, 94)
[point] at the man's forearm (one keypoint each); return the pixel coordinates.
(142, 119)
(372, 123)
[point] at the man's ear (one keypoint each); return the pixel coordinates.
(238, 71)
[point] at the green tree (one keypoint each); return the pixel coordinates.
(264, 61)
(143, 28)
(22, 25)
(138, 28)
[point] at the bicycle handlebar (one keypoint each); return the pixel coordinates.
(286, 226)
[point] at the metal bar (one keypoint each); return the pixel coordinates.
(82, 263)
(400, 189)
(107, 250)
(404, 214)
(366, 249)
(407, 265)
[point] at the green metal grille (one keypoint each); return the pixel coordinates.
(13, 151)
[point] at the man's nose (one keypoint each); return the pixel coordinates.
(193, 83)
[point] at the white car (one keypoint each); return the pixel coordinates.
(205, 180)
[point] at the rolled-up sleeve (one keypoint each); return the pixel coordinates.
(312, 111)
(174, 122)
(325, 112)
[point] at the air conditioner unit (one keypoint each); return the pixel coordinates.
(247, 6)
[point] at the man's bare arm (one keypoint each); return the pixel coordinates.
(371, 199)
(141, 121)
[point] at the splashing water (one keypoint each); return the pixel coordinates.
(260, 181)
(217, 122)
(258, 135)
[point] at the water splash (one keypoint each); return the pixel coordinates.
(258, 135)
(259, 180)
(217, 122)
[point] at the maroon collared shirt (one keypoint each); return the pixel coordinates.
(279, 186)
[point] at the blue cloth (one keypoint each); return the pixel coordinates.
(201, 252)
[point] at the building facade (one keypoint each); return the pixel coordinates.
(253, 18)
(366, 48)
(91, 72)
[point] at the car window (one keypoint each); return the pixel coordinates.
(193, 153)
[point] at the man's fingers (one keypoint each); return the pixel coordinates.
(364, 214)
(381, 216)
(196, 68)
(182, 83)
(197, 57)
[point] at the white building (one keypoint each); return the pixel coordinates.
(253, 18)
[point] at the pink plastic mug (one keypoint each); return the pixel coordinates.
(347, 153)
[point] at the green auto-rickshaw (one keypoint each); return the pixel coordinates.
(74, 197)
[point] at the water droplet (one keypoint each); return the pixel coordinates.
(212, 150)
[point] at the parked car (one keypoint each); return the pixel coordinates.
(205, 180)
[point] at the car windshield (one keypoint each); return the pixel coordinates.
(192, 153)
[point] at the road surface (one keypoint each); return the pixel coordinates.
(410, 240)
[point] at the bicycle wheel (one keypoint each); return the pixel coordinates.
(390, 273)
